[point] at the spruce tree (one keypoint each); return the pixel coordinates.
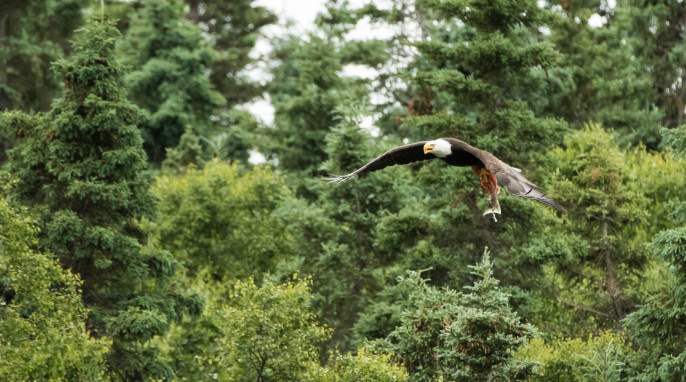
(658, 326)
(478, 71)
(451, 336)
(32, 35)
(479, 76)
(657, 35)
(306, 91)
(600, 76)
(483, 75)
(80, 168)
(169, 81)
(234, 27)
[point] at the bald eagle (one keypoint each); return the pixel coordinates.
(455, 152)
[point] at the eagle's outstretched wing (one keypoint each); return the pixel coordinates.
(398, 155)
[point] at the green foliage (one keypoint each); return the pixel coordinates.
(366, 365)
(659, 46)
(481, 78)
(336, 237)
(453, 336)
(605, 357)
(591, 180)
(268, 332)
(79, 166)
(32, 35)
(505, 76)
(43, 334)
(188, 152)
(306, 92)
(222, 218)
(233, 27)
(598, 78)
(658, 325)
(170, 58)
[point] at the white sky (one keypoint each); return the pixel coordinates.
(303, 12)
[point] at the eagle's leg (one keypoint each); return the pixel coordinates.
(489, 182)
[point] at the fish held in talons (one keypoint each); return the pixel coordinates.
(489, 182)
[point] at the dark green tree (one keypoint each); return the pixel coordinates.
(600, 76)
(452, 336)
(658, 325)
(306, 90)
(32, 35)
(656, 28)
(479, 76)
(169, 80)
(233, 27)
(334, 238)
(80, 168)
(483, 75)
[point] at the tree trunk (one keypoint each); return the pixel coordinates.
(4, 99)
(611, 281)
(193, 11)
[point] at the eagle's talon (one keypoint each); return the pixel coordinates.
(493, 213)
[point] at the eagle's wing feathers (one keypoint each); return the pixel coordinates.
(398, 155)
(518, 185)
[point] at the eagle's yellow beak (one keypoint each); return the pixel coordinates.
(428, 148)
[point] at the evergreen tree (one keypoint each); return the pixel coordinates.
(483, 75)
(306, 91)
(169, 80)
(188, 152)
(607, 216)
(79, 166)
(656, 28)
(474, 79)
(659, 324)
(479, 76)
(32, 35)
(600, 76)
(233, 27)
(340, 230)
(451, 336)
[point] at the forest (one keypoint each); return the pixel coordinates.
(140, 240)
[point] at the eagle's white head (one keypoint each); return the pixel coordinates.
(439, 147)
